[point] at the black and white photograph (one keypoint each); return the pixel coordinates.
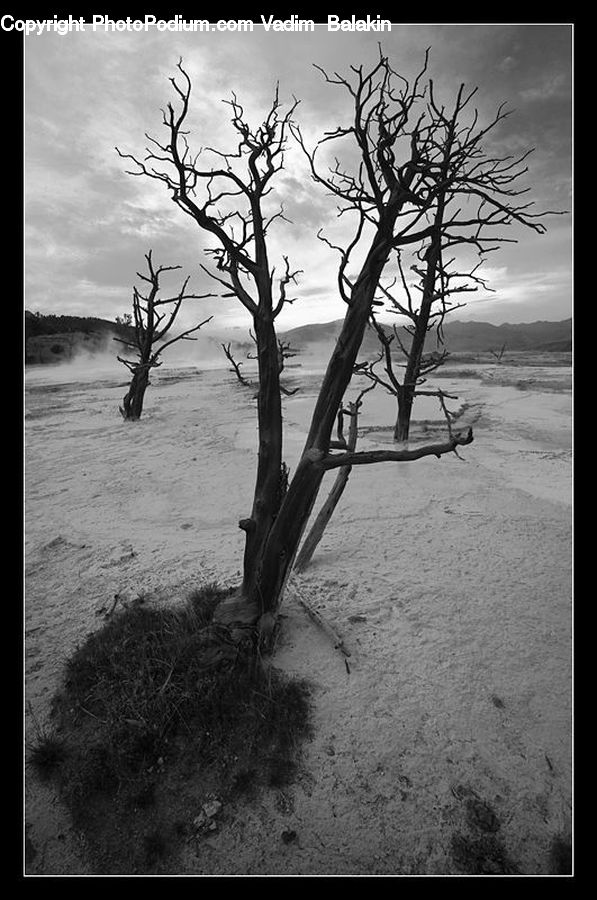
(297, 417)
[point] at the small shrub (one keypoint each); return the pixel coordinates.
(162, 692)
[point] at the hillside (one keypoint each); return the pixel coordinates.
(459, 336)
(52, 339)
(37, 325)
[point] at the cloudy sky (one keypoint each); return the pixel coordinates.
(88, 224)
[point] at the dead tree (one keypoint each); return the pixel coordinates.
(393, 199)
(226, 198)
(498, 354)
(468, 196)
(151, 327)
(418, 365)
(389, 379)
(235, 366)
(455, 173)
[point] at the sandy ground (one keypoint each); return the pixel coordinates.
(450, 581)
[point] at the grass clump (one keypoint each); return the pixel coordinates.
(46, 755)
(160, 709)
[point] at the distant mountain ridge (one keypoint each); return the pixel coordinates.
(57, 338)
(458, 336)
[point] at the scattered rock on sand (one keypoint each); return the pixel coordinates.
(205, 821)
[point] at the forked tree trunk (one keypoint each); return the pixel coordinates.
(378, 194)
(283, 540)
(273, 535)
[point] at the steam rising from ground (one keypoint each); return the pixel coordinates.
(203, 351)
(101, 363)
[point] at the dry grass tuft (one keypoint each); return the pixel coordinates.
(145, 706)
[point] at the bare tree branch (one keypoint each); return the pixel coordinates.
(407, 455)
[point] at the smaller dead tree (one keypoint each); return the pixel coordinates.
(463, 192)
(423, 316)
(151, 327)
(324, 515)
(498, 354)
(390, 380)
(235, 366)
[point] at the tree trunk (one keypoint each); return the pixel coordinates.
(413, 367)
(323, 517)
(268, 485)
(285, 535)
(406, 396)
(276, 526)
(280, 546)
(415, 356)
(406, 399)
(132, 403)
(325, 513)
